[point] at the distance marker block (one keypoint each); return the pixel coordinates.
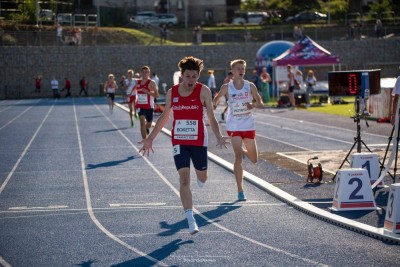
(353, 191)
(392, 218)
(368, 161)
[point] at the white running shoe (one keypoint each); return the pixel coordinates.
(200, 183)
(193, 228)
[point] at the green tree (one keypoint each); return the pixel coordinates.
(338, 8)
(380, 6)
(27, 12)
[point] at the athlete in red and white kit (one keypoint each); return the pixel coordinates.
(240, 120)
(145, 94)
(130, 87)
(188, 101)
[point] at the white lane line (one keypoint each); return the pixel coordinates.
(136, 204)
(4, 109)
(25, 151)
(305, 132)
(38, 208)
(22, 113)
(317, 124)
(156, 234)
(89, 201)
(283, 142)
(303, 162)
(4, 263)
(287, 253)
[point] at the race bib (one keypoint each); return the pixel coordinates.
(142, 98)
(176, 150)
(240, 109)
(186, 129)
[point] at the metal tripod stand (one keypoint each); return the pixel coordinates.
(357, 139)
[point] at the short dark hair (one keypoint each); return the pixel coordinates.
(191, 63)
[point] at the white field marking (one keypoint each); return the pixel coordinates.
(22, 113)
(25, 150)
(208, 219)
(305, 132)
(378, 145)
(38, 208)
(4, 109)
(283, 142)
(292, 158)
(136, 204)
(319, 125)
(4, 263)
(89, 202)
(156, 234)
(319, 202)
(230, 203)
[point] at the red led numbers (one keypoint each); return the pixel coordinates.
(352, 78)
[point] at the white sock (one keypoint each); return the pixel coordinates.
(189, 215)
(200, 183)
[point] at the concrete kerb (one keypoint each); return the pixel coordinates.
(378, 233)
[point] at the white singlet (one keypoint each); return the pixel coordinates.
(239, 118)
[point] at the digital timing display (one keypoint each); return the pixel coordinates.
(350, 83)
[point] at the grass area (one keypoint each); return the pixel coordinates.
(346, 109)
(337, 109)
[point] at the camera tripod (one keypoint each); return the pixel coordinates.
(357, 139)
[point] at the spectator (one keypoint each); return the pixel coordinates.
(211, 83)
(54, 88)
(38, 83)
(155, 79)
(395, 96)
(197, 35)
(291, 83)
(83, 85)
(265, 80)
(256, 79)
(297, 32)
(378, 28)
(60, 39)
(163, 34)
(311, 81)
(227, 79)
(67, 86)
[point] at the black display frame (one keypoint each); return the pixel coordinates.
(350, 83)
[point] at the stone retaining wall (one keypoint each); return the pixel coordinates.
(19, 65)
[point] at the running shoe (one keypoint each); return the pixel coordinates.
(200, 183)
(132, 123)
(193, 228)
(244, 151)
(242, 196)
(137, 116)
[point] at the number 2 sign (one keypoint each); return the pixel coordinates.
(353, 191)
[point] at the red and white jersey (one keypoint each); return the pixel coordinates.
(239, 118)
(144, 100)
(188, 127)
(130, 86)
(111, 87)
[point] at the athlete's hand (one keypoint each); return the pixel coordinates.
(223, 141)
(147, 146)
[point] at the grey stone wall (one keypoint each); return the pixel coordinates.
(19, 65)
